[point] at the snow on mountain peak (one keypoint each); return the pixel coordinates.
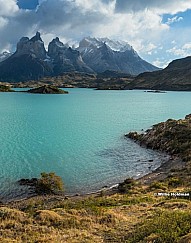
(115, 45)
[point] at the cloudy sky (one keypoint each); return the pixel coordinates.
(159, 30)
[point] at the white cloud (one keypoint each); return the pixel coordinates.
(150, 47)
(187, 46)
(3, 22)
(162, 63)
(174, 20)
(160, 7)
(173, 42)
(182, 51)
(8, 8)
(144, 48)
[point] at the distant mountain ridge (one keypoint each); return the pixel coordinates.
(103, 54)
(176, 76)
(31, 61)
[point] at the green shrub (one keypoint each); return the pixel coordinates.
(50, 183)
(127, 185)
(175, 182)
(166, 226)
(158, 185)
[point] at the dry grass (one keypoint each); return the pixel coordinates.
(116, 218)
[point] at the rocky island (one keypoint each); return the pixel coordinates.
(47, 89)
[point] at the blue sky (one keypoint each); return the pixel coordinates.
(28, 4)
(159, 30)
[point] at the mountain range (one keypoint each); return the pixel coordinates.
(31, 61)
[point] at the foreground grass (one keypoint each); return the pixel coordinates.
(138, 216)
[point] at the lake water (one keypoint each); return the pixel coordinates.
(80, 136)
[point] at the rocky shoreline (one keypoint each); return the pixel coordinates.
(172, 137)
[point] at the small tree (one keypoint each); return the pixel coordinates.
(50, 183)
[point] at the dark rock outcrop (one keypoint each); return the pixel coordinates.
(172, 136)
(28, 182)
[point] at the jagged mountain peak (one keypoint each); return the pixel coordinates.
(57, 44)
(33, 46)
(37, 37)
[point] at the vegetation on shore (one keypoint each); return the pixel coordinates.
(159, 212)
(47, 184)
(5, 88)
(50, 183)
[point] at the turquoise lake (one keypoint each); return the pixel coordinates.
(80, 136)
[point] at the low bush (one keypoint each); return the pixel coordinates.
(50, 183)
(175, 182)
(127, 185)
(166, 226)
(158, 185)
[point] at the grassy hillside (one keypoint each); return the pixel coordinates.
(137, 216)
